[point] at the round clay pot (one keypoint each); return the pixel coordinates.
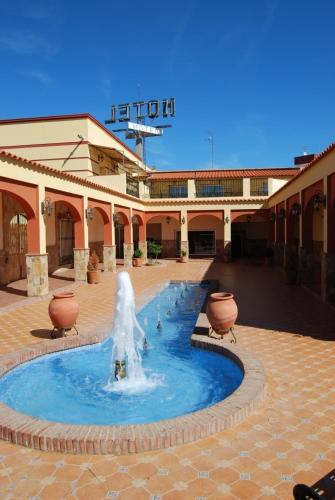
(64, 310)
(93, 277)
(221, 311)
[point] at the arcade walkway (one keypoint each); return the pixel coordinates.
(289, 439)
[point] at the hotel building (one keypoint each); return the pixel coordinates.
(69, 186)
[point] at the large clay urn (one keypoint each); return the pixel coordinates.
(64, 310)
(221, 311)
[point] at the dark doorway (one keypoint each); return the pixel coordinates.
(119, 240)
(201, 243)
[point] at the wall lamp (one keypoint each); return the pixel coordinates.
(168, 219)
(226, 220)
(272, 216)
(89, 212)
(183, 220)
(47, 207)
(134, 219)
(117, 218)
(296, 209)
(281, 213)
(319, 201)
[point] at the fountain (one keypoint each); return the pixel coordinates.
(128, 338)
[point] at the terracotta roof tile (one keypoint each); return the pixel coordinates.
(225, 174)
(65, 175)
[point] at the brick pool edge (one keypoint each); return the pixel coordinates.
(122, 439)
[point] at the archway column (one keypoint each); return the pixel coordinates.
(227, 235)
(184, 231)
(37, 258)
(109, 249)
(142, 234)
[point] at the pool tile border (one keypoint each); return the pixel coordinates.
(123, 439)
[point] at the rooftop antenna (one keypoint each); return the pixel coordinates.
(211, 142)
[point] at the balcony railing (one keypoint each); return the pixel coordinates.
(132, 187)
(168, 189)
(217, 188)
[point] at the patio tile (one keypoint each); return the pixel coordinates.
(262, 457)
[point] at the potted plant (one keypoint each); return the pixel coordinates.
(154, 249)
(93, 273)
(137, 258)
(183, 256)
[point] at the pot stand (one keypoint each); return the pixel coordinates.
(212, 333)
(54, 333)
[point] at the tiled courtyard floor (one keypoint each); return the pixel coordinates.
(290, 439)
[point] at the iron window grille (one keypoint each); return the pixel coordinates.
(171, 189)
(219, 188)
(259, 187)
(132, 187)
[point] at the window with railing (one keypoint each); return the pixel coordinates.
(132, 186)
(259, 187)
(218, 188)
(168, 189)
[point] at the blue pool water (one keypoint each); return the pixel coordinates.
(70, 386)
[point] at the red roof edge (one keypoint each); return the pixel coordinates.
(321, 155)
(78, 116)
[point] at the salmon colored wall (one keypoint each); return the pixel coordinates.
(96, 228)
(218, 214)
(308, 212)
(103, 215)
(142, 230)
(292, 222)
(27, 196)
(280, 224)
(50, 228)
(331, 213)
(126, 222)
(75, 205)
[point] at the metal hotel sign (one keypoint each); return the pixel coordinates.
(142, 109)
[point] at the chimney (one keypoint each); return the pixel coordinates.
(302, 161)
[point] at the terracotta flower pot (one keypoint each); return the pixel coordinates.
(93, 277)
(183, 259)
(64, 310)
(221, 311)
(137, 261)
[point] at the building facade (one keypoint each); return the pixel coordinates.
(68, 186)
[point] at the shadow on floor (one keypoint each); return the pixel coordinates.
(265, 301)
(41, 333)
(13, 290)
(324, 489)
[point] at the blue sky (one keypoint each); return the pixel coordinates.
(258, 75)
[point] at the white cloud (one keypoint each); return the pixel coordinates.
(26, 42)
(39, 76)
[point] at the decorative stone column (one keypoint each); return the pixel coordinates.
(142, 245)
(37, 274)
(81, 256)
(328, 277)
(227, 251)
(184, 247)
(128, 251)
(110, 258)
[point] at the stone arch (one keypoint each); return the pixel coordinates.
(75, 206)
(27, 197)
